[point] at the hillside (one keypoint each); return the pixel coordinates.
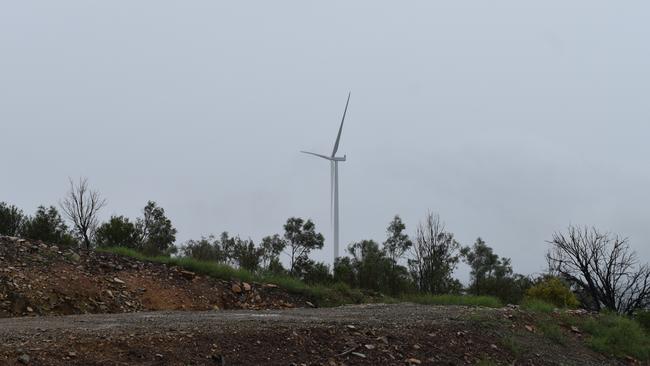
(110, 299)
(41, 279)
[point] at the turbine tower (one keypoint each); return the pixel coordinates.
(334, 181)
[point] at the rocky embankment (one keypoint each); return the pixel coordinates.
(41, 279)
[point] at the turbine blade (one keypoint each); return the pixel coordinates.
(338, 137)
(319, 155)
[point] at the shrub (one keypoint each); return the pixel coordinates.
(619, 336)
(11, 219)
(553, 291)
(117, 232)
(48, 226)
(643, 318)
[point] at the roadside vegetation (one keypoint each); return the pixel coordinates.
(587, 268)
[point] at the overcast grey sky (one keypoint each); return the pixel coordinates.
(511, 119)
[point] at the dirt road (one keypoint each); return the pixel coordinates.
(397, 334)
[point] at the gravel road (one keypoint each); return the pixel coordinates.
(396, 334)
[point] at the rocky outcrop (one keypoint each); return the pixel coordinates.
(41, 279)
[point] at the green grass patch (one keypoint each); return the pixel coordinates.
(643, 317)
(511, 344)
(486, 362)
(467, 300)
(322, 295)
(537, 306)
(552, 331)
(617, 335)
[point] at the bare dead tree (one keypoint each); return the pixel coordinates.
(434, 256)
(81, 206)
(602, 265)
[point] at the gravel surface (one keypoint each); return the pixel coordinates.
(398, 334)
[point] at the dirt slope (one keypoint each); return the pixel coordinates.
(41, 279)
(400, 334)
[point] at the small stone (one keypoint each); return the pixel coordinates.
(494, 346)
(575, 329)
(370, 346)
(117, 280)
(29, 309)
(75, 257)
(631, 359)
(311, 305)
(530, 328)
(247, 287)
(413, 361)
(24, 359)
(235, 288)
(350, 326)
(72, 354)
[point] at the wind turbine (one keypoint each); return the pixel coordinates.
(334, 182)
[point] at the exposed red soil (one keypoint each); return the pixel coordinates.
(40, 279)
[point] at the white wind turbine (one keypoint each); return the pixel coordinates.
(334, 162)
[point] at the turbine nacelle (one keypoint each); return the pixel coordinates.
(330, 158)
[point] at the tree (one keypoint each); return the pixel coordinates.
(603, 265)
(435, 254)
(157, 235)
(484, 265)
(11, 219)
(81, 206)
(275, 267)
(370, 264)
(48, 226)
(313, 272)
(246, 254)
(344, 271)
(205, 249)
(228, 245)
(301, 238)
(397, 243)
(491, 275)
(117, 232)
(271, 247)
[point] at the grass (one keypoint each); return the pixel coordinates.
(643, 318)
(513, 345)
(617, 335)
(486, 362)
(552, 331)
(609, 333)
(468, 300)
(538, 306)
(323, 295)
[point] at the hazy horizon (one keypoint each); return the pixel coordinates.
(509, 120)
